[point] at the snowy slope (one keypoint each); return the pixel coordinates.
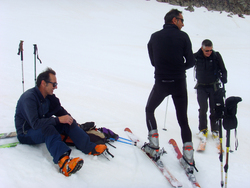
(98, 49)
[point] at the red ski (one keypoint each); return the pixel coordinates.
(191, 177)
(159, 164)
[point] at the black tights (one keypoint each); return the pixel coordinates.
(178, 90)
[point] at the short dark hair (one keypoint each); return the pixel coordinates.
(171, 14)
(206, 43)
(44, 76)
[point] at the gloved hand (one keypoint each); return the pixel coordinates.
(223, 79)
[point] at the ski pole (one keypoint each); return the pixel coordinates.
(129, 143)
(164, 128)
(35, 55)
(35, 49)
(227, 156)
(219, 96)
(125, 139)
(20, 52)
(221, 152)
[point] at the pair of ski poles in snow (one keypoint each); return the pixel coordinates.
(226, 113)
(20, 52)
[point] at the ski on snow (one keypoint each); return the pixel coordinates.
(191, 177)
(159, 164)
(8, 135)
(9, 145)
(203, 142)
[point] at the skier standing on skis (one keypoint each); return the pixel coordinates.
(210, 70)
(170, 52)
(40, 118)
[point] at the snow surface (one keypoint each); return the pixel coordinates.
(98, 49)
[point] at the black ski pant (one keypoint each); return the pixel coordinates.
(178, 90)
(205, 94)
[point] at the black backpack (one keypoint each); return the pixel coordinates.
(97, 135)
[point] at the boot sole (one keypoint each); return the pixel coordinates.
(77, 167)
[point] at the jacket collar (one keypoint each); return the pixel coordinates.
(201, 55)
(39, 94)
(167, 26)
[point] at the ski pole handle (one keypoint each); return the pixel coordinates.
(20, 49)
(35, 49)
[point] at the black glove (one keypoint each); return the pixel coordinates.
(223, 79)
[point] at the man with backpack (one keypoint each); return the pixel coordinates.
(210, 71)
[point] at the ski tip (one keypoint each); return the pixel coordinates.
(172, 141)
(128, 130)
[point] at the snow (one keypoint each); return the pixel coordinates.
(99, 51)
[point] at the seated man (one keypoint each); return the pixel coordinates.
(40, 118)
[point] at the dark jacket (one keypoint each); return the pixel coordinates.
(209, 69)
(170, 52)
(34, 111)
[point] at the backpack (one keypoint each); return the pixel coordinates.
(98, 136)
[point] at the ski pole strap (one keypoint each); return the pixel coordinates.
(236, 140)
(36, 53)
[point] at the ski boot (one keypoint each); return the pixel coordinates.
(152, 148)
(187, 159)
(215, 135)
(70, 166)
(98, 150)
(203, 133)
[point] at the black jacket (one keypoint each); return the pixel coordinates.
(170, 52)
(209, 69)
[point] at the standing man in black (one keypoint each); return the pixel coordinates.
(210, 70)
(170, 52)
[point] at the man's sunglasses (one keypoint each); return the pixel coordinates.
(182, 20)
(208, 50)
(53, 83)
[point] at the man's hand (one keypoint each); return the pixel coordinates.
(66, 119)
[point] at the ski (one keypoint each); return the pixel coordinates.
(9, 145)
(203, 141)
(191, 177)
(159, 164)
(202, 144)
(8, 135)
